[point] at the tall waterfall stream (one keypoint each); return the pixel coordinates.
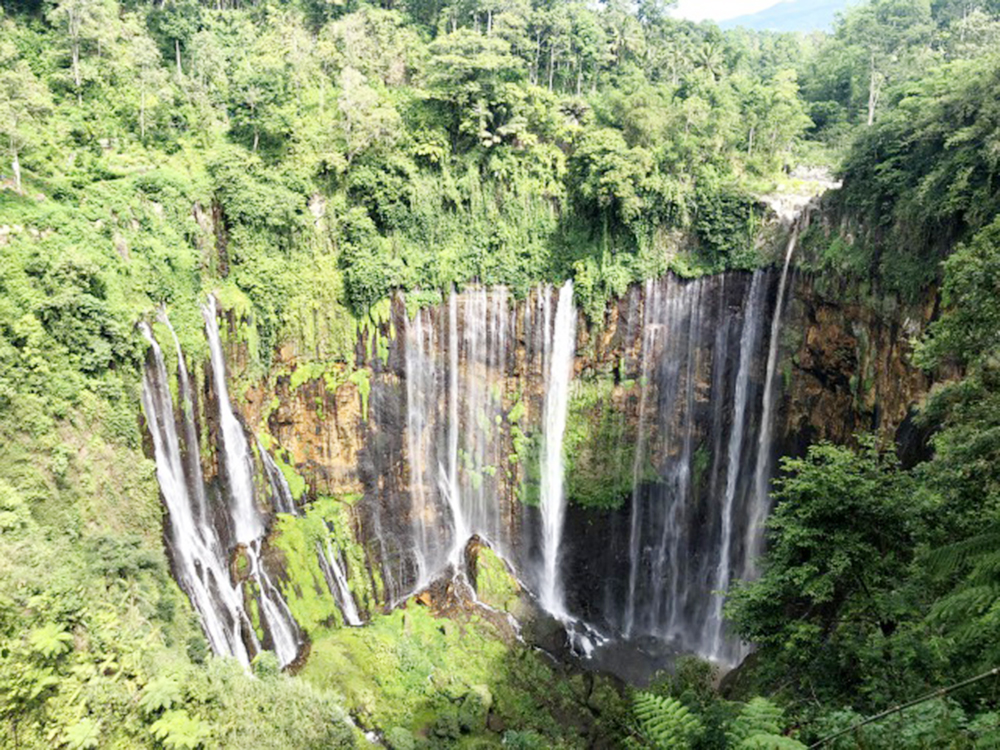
(487, 384)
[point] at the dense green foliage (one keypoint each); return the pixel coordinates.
(879, 584)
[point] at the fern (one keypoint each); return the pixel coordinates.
(770, 742)
(84, 735)
(178, 731)
(759, 726)
(970, 612)
(50, 641)
(757, 717)
(946, 560)
(161, 693)
(665, 723)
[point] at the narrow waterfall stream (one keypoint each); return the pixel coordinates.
(329, 562)
(764, 468)
(336, 580)
(281, 496)
(553, 498)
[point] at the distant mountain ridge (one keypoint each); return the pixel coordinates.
(792, 15)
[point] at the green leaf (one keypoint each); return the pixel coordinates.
(159, 694)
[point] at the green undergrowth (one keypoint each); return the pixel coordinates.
(495, 586)
(430, 682)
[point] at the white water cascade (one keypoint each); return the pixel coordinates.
(465, 438)
(553, 500)
(247, 523)
(764, 468)
(698, 366)
(282, 498)
(455, 362)
(198, 556)
(749, 337)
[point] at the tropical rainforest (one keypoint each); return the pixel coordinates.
(307, 162)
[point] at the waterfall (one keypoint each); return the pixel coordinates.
(695, 389)
(648, 333)
(281, 493)
(553, 500)
(763, 469)
(724, 565)
(329, 563)
(248, 526)
(199, 560)
(698, 372)
(455, 369)
(700, 369)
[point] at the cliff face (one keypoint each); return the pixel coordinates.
(441, 428)
(848, 368)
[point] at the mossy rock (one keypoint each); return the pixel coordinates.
(475, 709)
(494, 583)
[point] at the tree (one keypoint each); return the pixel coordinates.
(366, 119)
(608, 177)
(176, 22)
(473, 73)
(86, 24)
(885, 37)
(24, 100)
(839, 543)
(259, 94)
(143, 58)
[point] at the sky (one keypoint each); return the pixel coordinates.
(719, 10)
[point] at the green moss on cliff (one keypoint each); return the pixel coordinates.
(301, 539)
(495, 585)
(599, 446)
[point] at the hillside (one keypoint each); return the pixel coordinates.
(791, 15)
